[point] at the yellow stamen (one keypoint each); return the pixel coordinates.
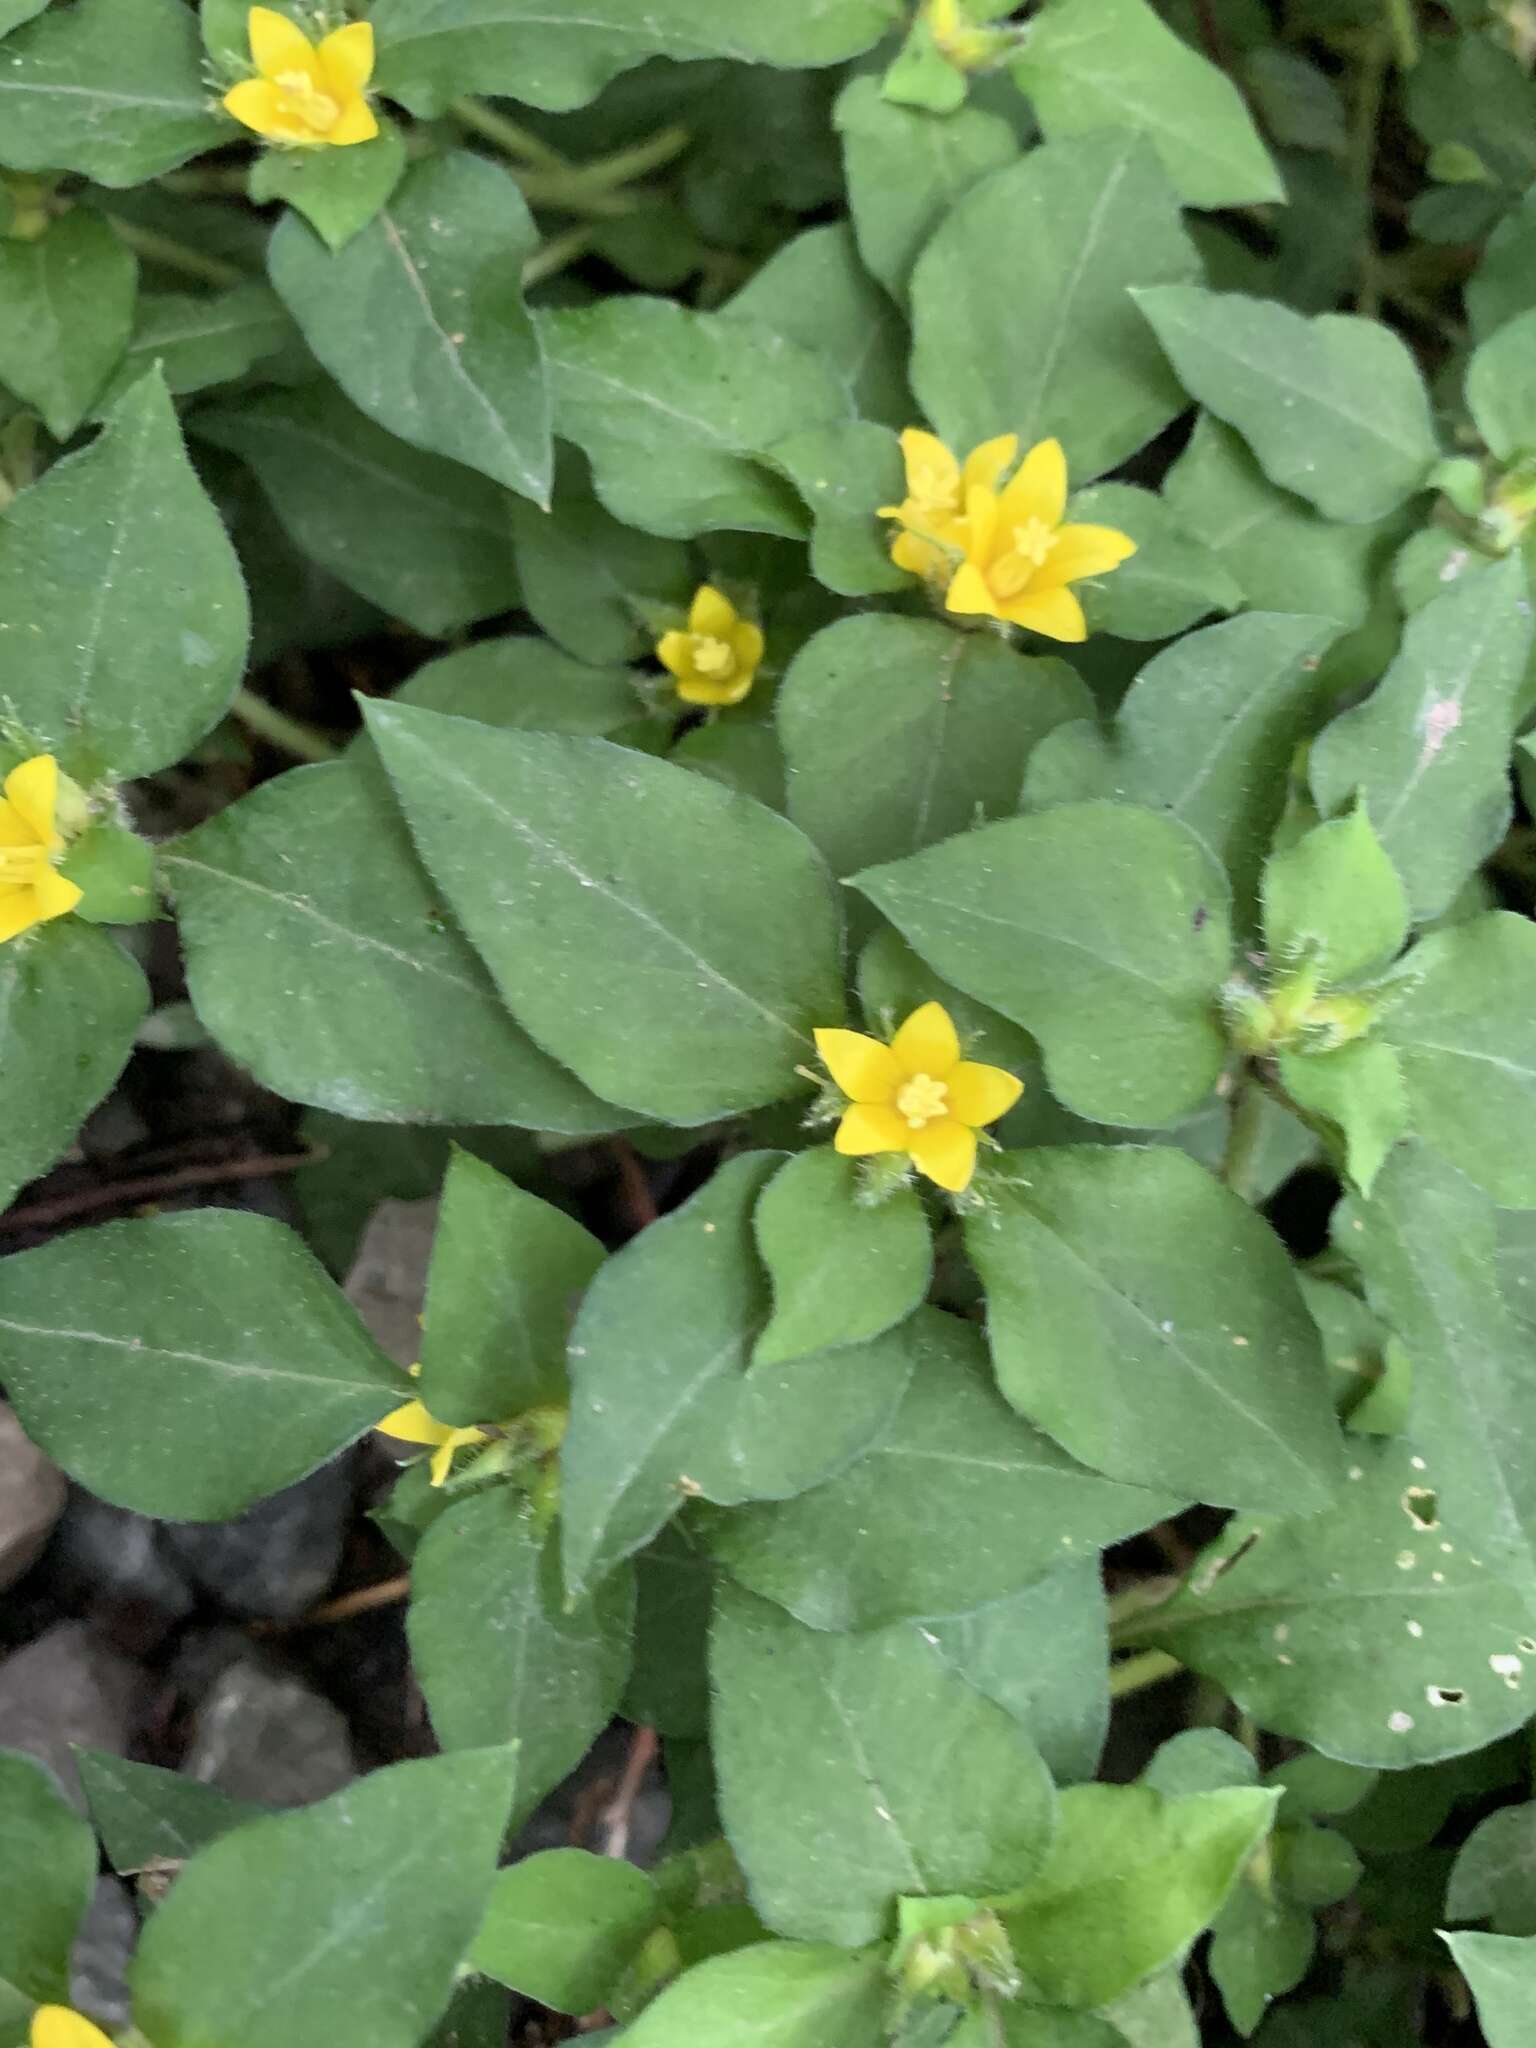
(303, 99)
(713, 658)
(1034, 541)
(921, 1100)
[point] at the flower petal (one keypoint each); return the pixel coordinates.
(1082, 551)
(412, 1424)
(14, 829)
(278, 44)
(945, 1151)
(33, 792)
(862, 1067)
(696, 689)
(712, 613)
(1039, 491)
(747, 644)
(18, 912)
(53, 895)
(930, 464)
(984, 465)
(983, 517)
(357, 123)
(1055, 613)
(917, 556)
(979, 1095)
(675, 652)
(347, 57)
(55, 2026)
(927, 1043)
(970, 595)
(871, 1127)
(257, 104)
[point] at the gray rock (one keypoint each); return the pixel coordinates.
(69, 1687)
(98, 1967)
(104, 1558)
(277, 1559)
(388, 1281)
(261, 1733)
(32, 1496)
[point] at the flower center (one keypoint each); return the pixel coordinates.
(921, 1100)
(1034, 541)
(303, 99)
(714, 658)
(21, 866)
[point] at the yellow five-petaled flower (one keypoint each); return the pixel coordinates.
(31, 844)
(55, 2026)
(1000, 551)
(308, 94)
(414, 1423)
(716, 660)
(916, 1095)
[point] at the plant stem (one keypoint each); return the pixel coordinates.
(1245, 1129)
(279, 730)
(605, 174)
(1372, 86)
(1135, 1674)
(508, 135)
(558, 253)
(173, 255)
(1405, 33)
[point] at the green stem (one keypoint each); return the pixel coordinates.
(557, 254)
(1244, 1131)
(279, 730)
(1135, 1674)
(509, 136)
(1405, 33)
(606, 174)
(1371, 89)
(173, 255)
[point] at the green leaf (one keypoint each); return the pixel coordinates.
(1262, 1948)
(843, 1269)
(1360, 1089)
(1195, 1365)
(563, 1927)
(1093, 64)
(66, 312)
(117, 578)
(844, 472)
(302, 907)
(424, 539)
(665, 1403)
(1429, 748)
(901, 732)
(958, 1503)
(1358, 1630)
(1494, 1875)
(906, 168)
(596, 881)
(145, 1815)
(1333, 897)
(1022, 319)
(1465, 1032)
(670, 406)
(1334, 408)
(422, 322)
(745, 758)
(1502, 1974)
(338, 191)
(1043, 1655)
(1502, 286)
(1200, 1760)
(1207, 733)
(1501, 390)
(110, 88)
(507, 1274)
(1131, 1879)
(47, 1875)
(777, 1994)
(345, 1922)
(816, 293)
(71, 1001)
(1100, 928)
(561, 53)
(1169, 584)
(201, 338)
(855, 1770)
(500, 1655)
(187, 1365)
(674, 1594)
(1286, 557)
(524, 685)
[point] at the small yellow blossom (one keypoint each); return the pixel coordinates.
(1020, 558)
(55, 2026)
(306, 94)
(413, 1423)
(716, 660)
(960, 40)
(932, 515)
(31, 845)
(916, 1095)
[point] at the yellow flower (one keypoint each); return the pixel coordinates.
(916, 1095)
(716, 660)
(1020, 558)
(55, 2026)
(31, 890)
(306, 94)
(932, 515)
(414, 1424)
(965, 45)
